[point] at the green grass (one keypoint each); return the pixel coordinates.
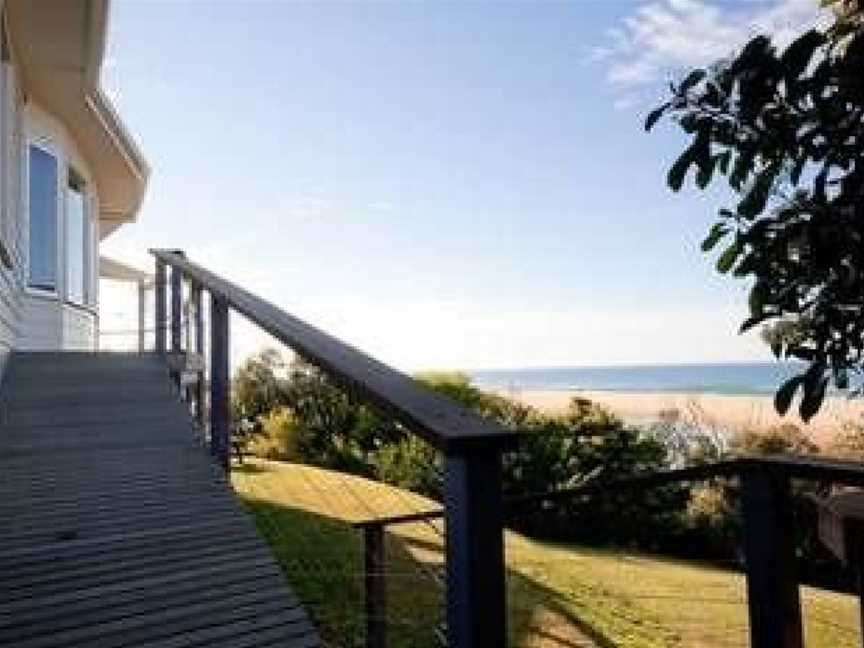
(557, 595)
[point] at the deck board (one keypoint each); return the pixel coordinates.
(116, 527)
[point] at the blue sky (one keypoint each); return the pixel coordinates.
(442, 184)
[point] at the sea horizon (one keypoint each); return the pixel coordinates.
(722, 378)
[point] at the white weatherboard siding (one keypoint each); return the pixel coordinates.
(80, 328)
(12, 224)
(50, 321)
(50, 59)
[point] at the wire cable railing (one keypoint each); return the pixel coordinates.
(475, 510)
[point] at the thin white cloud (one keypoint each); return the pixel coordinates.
(664, 36)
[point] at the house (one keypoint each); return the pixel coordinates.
(70, 173)
(116, 526)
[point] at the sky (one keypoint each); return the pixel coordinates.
(442, 184)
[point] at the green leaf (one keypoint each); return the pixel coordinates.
(675, 177)
(784, 395)
(756, 301)
(754, 202)
(812, 400)
(750, 322)
(654, 116)
(747, 265)
(741, 169)
(752, 55)
(728, 258)
(797, 56)
(717, 232)
(691, 80)
(706, 171)
(801, 352)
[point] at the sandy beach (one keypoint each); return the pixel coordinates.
(734, 412)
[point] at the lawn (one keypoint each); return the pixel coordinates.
(558, 595)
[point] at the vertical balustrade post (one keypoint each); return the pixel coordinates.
(176, 310)
(476, 597)
(769, 547)
(220, 387)
(376, 586)
(159, 313)
(142, 304)
(198, 314)
(176, 362)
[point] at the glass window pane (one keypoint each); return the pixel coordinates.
(76, 246)
(43, 219)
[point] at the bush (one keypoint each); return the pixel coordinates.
(589, 444)
(689, 435)
(411, 464)
(785, 438)
(849, 442)
(278, 436)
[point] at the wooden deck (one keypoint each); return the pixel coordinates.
(116, 528)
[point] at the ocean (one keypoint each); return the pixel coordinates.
(756, 378)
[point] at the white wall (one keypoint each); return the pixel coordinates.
(11, 218)
(48, 320)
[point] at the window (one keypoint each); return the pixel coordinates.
(77, 239)
(43, 219)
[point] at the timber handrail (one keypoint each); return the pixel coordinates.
(472, 446)
(439, 420)
(474, 504)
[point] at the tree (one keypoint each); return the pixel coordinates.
(257, 387)
(334, 427)
(786, 131)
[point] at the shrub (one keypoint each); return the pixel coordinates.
(785, 438)
(412, 464)
(278, 436)
(849, 442)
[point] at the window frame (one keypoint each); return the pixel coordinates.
(86, 243)
(48, 147)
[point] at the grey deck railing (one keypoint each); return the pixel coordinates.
(472, 447)
(474, 506)
(769, 526)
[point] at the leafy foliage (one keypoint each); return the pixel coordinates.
(785, 129)
(309, 418)
(785, 438)
(320, 423)
(849, 441)
(257, 387)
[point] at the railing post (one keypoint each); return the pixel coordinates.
(476, 597)
(195, 297)
(142, 304)
(176, 310)
(376, 586)
(769, 547)
(220, 388)
(159, 311)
